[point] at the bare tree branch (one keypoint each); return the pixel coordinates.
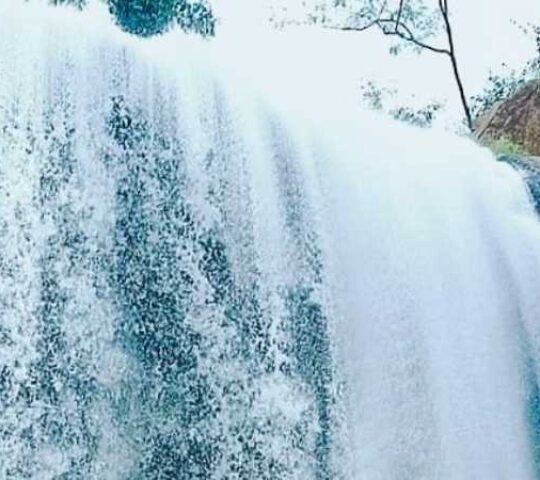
(443, 5)
(385, 26)
(394, 25)
(351, 28)
(405, 33)
(400, 11)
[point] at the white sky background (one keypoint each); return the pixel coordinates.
(484, 34)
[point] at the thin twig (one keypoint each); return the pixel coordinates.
(403, 32)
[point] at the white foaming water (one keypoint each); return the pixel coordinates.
(200, 282)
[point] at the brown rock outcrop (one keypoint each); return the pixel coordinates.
(516, 119)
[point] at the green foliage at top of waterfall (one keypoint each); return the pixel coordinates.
(152, 17)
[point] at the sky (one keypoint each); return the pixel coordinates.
(485, 37)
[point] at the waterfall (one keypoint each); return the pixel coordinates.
(196, 283)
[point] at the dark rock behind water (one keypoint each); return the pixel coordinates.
(529, 167)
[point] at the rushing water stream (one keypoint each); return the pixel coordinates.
(194, 285)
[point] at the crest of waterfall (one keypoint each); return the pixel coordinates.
(197, 284)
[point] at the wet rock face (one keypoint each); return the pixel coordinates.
(516, 119)
(530, 169)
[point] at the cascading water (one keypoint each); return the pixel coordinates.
(193, 286)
